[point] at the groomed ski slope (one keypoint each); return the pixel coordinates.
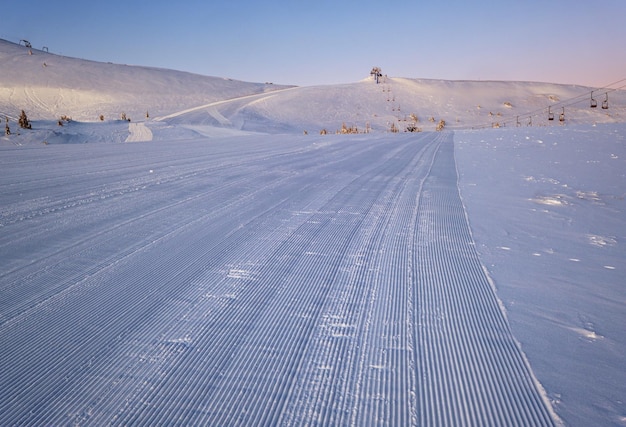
(270, 280)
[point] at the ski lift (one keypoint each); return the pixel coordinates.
(562, 115)
(376, 73)
(518, 124)
(26, 43)
(550, 114)
(594, 103)
(605, 103)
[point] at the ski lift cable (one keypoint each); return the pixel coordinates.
(571, 101)
(565, 103)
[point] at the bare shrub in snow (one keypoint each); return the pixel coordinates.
(64, 118)
(348, 130)
(23, 121)
(413, 128)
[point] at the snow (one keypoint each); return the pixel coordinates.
(213, 265)
(49, 86)
(548, 211)
(138, 132)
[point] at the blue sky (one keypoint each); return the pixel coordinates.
(306, 42)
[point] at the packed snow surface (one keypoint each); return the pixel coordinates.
(209, 263)
(255, 281)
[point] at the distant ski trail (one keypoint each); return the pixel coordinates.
(139, 132)
(214, 112)
(287, 281)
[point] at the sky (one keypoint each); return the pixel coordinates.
(307, 43)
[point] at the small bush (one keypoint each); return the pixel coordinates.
(64, 118)
(413, 128)
(23, 121)
(348, 130)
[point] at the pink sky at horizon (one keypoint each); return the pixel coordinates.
(339, 42)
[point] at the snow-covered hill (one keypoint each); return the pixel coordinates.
(48, 86)
(462, 104)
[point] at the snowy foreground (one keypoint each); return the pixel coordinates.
(468, 278)
(547, 208)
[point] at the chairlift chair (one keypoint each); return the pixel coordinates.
(594, 103)
(605, 103)
(550, 114)
(562, 115)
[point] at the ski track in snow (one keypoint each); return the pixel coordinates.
(139, 132)
(259, 281)
(210, 106)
